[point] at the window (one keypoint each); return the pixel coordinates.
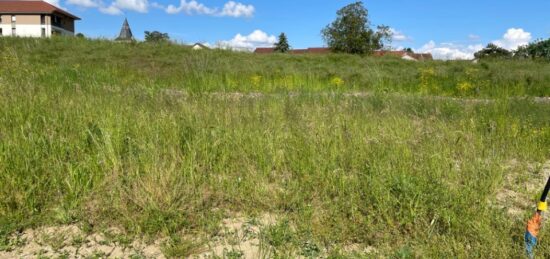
(13, 18)
(12, 31)
(42, 19)
(43, 32)
(0, 31)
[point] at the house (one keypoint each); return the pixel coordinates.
(295, 51)
(34, 19)
(379, 53)
(264, 50)
(404, 55)
(199, 46)
(125, 34)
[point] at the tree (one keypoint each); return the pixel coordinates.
(351, 32)
(409, 50)
(156, 37)
(537, 49)
(493, 51)
(282, 45)
(80, 35)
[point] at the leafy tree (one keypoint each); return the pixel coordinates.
(156, 37)
(351, 32)
(80, 35)
(409, 50)
(282, 45)
(537, 49)
(493, 51)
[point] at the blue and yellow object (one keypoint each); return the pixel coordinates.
(535, 223)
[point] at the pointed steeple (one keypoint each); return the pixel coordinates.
(125, 32)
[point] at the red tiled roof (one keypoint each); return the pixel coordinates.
(298, 51)
(31, 7)
(264, 50)
(423, 56)
(319, 50)
(378, 53)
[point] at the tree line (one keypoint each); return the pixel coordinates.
(539, 49)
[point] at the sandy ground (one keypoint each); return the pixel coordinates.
(239, 238)
(71, 242)
(520, 183)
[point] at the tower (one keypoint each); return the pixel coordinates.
(125, 32)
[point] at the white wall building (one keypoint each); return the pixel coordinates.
(34, 19)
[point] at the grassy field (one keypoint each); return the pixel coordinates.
(352, 156)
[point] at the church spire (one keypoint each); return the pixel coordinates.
(125, 32)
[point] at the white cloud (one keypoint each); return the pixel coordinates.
(83, 3)
(398, 35)
(234, 9)
(474, 37)
(140, 6)
(450, 51)
(112, 10)
(513, 38)
(249, 42)
(190, 8)
(157, 5)
(231, 8)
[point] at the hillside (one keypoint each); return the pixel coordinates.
(93, 64)
(138, 150)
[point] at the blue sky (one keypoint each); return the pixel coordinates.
(448, 29)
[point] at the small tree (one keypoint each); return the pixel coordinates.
(409, 50)
(282, 45)
(351, 32)
(156, 37)
(493, 51)
(80, 35)
(537, 49)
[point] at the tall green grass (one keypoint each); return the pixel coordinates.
(89, 134)
(68, 63)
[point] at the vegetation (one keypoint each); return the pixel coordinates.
(350, 32)
(282, 45)
(353, 155)
(536, 50)
(493, 51)
(156, 37)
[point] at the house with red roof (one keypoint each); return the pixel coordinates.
(34, 19)
(379, 53)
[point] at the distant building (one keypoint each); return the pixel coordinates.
(404, 55)
(34, 19)
(125, 32)
(379, 53)
(199, 46)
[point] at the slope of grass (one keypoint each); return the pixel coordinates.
(90, 134)
(96, 64)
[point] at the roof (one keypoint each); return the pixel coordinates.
(423, 56)
(125, 32)
(298, 51)
(295, 51)
(400, 53)
(264, 50)
(31, 7)
(319, 50)
(200, 45)
(378, 53)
